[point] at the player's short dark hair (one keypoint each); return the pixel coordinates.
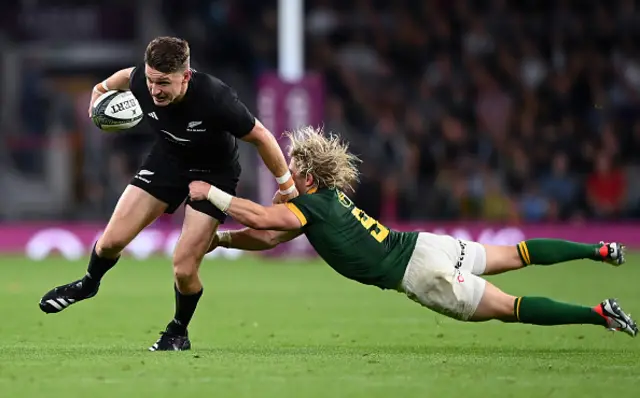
(167, 54)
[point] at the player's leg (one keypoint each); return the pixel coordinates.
(442, 283)
(200, 224)
(500, 259)
(135, 210)
(197, 234)
(543, 311)
(155, 189)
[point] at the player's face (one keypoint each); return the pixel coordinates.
(302, 182)
(166, 87)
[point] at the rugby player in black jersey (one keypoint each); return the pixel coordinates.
(197, 120)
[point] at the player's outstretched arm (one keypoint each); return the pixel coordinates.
(252, 239)
(117, 81)
(274, 159)
(250, 214)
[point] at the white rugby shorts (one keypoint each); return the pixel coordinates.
(442, 275)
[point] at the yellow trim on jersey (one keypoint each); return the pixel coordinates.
(518, 301)
(521, 253)
(312, 190)
(298, 213)
(524, 251)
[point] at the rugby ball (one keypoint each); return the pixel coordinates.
(116, 110)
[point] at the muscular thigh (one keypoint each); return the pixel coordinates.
(197, 234)
(202, 218)
(135, 210)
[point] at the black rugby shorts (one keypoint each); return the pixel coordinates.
(168, 180)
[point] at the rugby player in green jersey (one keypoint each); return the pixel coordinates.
(438, 271)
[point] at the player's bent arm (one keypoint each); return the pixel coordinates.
(250, 239)
(117, 81)
(271, 154)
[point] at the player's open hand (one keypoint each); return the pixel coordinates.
(280, 198)
(199, 190)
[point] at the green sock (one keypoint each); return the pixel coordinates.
(553, 251)
(547, 312)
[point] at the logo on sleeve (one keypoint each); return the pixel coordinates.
(144, 173)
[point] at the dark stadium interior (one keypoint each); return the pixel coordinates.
(513, 124)
(493, 110)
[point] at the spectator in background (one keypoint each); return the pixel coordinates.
(474, 110)
(477, 110)
(606, 188)
(534, 206)
(496, 205)
(558, 185)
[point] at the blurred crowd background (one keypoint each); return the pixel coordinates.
(461, 110)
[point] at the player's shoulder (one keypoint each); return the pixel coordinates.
(137, 71)
(316, 198)
(208, 85)
(137, 79)
(313, 206)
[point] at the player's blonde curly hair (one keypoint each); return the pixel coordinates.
(325, 157)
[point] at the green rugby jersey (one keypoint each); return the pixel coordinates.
(352, 243)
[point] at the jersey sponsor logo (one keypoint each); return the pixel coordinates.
(153, 115)
(463, 253)
(174, 137)
(458, 266)
(191, 126)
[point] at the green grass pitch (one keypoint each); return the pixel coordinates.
(297, 329)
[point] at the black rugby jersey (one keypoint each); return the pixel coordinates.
(202, 128)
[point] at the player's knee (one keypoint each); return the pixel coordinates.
(108, 246)
(502, 309)
(495, 304)
(501, 259)
(189, 254)
(185, 265)
(185, 274)
(185, 268)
